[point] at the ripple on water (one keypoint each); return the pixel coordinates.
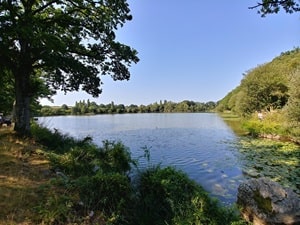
(199, 144)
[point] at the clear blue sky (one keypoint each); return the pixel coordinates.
(193, 50)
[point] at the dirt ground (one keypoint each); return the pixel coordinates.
(23, 171)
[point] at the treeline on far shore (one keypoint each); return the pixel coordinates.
(90, 107)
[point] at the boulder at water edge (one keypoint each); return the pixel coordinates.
(264, 202)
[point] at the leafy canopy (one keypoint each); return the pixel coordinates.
(63, 44)
(266, 87)
(6, 90)
(72, 41)
(273, 6)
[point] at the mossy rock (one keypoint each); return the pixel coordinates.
(263, 201)
(264, 204)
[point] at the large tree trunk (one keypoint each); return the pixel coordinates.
(22, 73)
(22, 107)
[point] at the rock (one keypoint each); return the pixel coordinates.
(252, 173)
(264, 202)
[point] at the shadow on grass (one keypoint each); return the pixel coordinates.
(22, 172)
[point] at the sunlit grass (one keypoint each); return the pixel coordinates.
(95, 187)
(234, 122)
(229, 116)
(22, 172)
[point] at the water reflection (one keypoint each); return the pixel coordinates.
(200, 144)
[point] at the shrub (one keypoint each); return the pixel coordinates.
(115, 157)
(112, 157)
(253, 126)
(77, 162)
(272, 123)
(109, 193)
(95, 181)
(54, 140)
(168, 196)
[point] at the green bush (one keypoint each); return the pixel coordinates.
(272, 123)
(168, 196)
(112, 157)
(56, 209)
(115, 157)
(95, 181)
(54, 140)
(77, 162)
(110, 193)
(253, 127)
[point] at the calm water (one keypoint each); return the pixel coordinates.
(200, 144)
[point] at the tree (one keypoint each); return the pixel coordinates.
(67, 44)
(263, 88)
(182, 107)
(293, 106)
(120, 108)
(273, 6)
(6, 92)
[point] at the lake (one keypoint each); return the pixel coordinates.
(200, 144)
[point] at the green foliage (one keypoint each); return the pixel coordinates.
(83, 107)
(61, 45)
(115, 157)
(271, 124)
(253, 126)
(168, 196)
(228, 102)
(6, 92)
(265, 204)
(268, 7)
(293, 106)
(87, 159)
(76, 162)
(276, 160)
(109, 192)
(56, 141)
(271, 88)
(93, 187)
(264, 88)
(60, 209)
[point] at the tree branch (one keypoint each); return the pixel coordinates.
(44, 6)
(277, 2)
(286, 4)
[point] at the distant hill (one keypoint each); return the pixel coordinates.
(271, 90)
(264, 88)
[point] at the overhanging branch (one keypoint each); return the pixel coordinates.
(288, 5)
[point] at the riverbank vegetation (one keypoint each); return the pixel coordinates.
(267, 102)
(269, 90)
(268, 98)
(274, 159)
(55, 179)
(87, 107)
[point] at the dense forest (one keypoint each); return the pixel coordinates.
(88, 107)
(271, 89)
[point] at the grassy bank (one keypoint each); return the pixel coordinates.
(270, 148)
(23, 171)
(272, 126)
(235, 122)
(55, 179)
(274, 159)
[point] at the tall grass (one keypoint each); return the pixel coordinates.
(168, 196)
(272, 124)
(93, 186)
